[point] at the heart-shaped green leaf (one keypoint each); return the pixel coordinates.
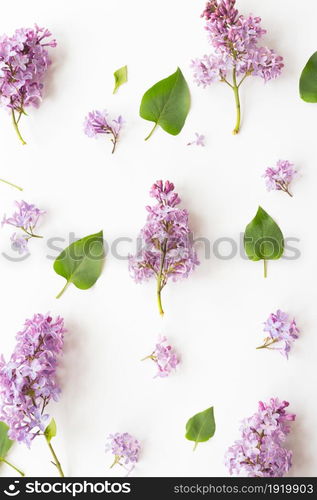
(167, 104)
(50, 431)
(81, 263)
(120, 77)
(308, 80)
(263, 239)
(201, 427)
(5, 442)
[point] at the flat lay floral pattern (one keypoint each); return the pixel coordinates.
(29, 378)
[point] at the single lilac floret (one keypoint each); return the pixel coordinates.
(167, 248)
(24, 61)
(28, 381)
(165, 358)
(260, 451)
(282, 332)
(278, 178)
(126, 450)
(198, 141)
(98, 123)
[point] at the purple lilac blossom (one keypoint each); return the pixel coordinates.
(167, 250)
(125, 448)
(282, 331)
(278, 178)
(25, 218)
(98, 123)
(24, 61)
(234, 39)
(198, 141)
(260, 452)
(19, 243)
(28, 380)
(165, 358)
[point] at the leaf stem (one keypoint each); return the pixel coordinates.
(56, 461)
(11, 184)
(15, 125)
(265, 268)
(63, 290)
(151, 132)
(195, 445)
(13, 466)
(237, 101)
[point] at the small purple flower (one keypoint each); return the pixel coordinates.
(167, 249)
(126, 450)
(278, 178)
(260, 452)
(28, 380)
(198, 141)
(165, 358)
(282, 330)
(24, 61)
(19, 243)
(98, 123)
(236, 51)
(26, 219)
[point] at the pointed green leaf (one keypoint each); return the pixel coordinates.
(167, 103)
(263, 239)
(201, 427)
(5, 442)
(308, 80)
(50, 431)
(81, 263)
(120, 77)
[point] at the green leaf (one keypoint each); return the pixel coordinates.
(81, 263)
(263, 239)
(5, 442)
(201, 427)
(167, 104)
(50, 431)
(308, 80)
(120, 77)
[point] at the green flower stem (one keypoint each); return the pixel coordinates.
(11, 184)
(13, 466)
(116, 461)
(15, 125)
(237, 101)
(267, 344)
(160, 279)
(30, 234)
(151, 132)
(56, 461)
(63, 290)
(265, 268)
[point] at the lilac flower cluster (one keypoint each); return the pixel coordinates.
(282, 330)
(25, 218)
(28, 380)
(168, 250)
(125, 448)
(165, 357)
(98, 123)
(278, 178)
(24, 61)
(234, 39)
(260, 452)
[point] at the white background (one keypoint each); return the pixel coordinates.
(214, 318)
